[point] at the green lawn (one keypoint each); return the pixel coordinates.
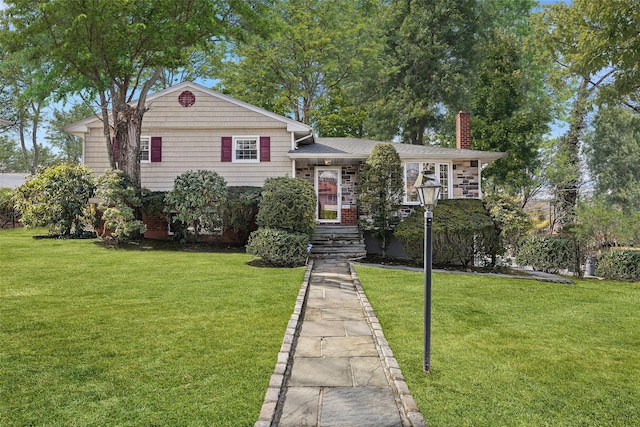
(509, 352)
(97, 336)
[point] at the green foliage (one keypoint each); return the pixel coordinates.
(619, 265)
(55, 198)
(509, 217)
(118, 203)
(288, 204)
(380, 190)
(612, 151)
(510, 112)
(279, 248)
(463, 231)
(197, 199)
(240, 211)
(427, 57)
(315, 49)
(598, 38)
(152, 202)
(7, 211)
(6, 199)
(546, 253)
(69, 146)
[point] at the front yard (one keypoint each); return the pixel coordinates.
(509, 352)
(143, 336)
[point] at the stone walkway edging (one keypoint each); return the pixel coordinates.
(389, 362)
(274, 397)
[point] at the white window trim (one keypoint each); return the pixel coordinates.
(421, 168)
(148, 139)
(234, 149)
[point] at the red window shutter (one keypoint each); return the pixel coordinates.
(156, 149)
(227, 149)
(265, 148)
(114, 147)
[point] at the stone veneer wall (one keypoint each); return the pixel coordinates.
(466, 179)
(349, 178)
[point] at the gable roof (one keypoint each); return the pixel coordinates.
(354, 148)
(79, 128)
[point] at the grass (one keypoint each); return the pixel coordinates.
(147, 336)
(509, 352)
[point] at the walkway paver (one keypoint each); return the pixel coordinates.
(340, 371)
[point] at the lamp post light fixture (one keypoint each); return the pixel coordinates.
(428, 188)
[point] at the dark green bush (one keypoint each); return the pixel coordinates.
(153, 202)
(462, 232)
(279, 247)
(239, 213)
(619, 264)
(546, 253)
(288, 204)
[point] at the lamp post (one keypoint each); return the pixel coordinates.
(428, 188)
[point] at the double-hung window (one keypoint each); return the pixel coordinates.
(246, 149)
(411, 172)
(145, 149)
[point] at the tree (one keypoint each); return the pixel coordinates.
(509, 114)
(69, 146)
(23, 103)
(599, 38)
(197, 199)
(55, 198)
(612, 154)
(426, 63)
(117, 50)
(315, 49)
(380, 191)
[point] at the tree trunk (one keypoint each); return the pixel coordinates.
(566, 192)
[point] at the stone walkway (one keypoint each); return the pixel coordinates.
(335, 368)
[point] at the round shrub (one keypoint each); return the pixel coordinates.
(197, 199)
(619, 264)
(279, 247)
(55, 198)
(288, 204)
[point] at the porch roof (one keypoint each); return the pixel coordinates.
(358, 149)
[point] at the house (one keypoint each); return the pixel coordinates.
(190, 127)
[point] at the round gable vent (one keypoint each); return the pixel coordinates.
(187, 99)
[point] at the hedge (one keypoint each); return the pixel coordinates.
(546, 253)
(619, 264)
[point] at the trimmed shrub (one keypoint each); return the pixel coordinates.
(620, 264)
(279, 247)
(239, 213)
(380, 190)
(197, 200)
(546, 253)
(288, 204)
(463, 231)
(55, 198)
(118, 202)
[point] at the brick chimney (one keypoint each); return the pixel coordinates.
(463, 130)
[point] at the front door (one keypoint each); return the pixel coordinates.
(328, 192)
